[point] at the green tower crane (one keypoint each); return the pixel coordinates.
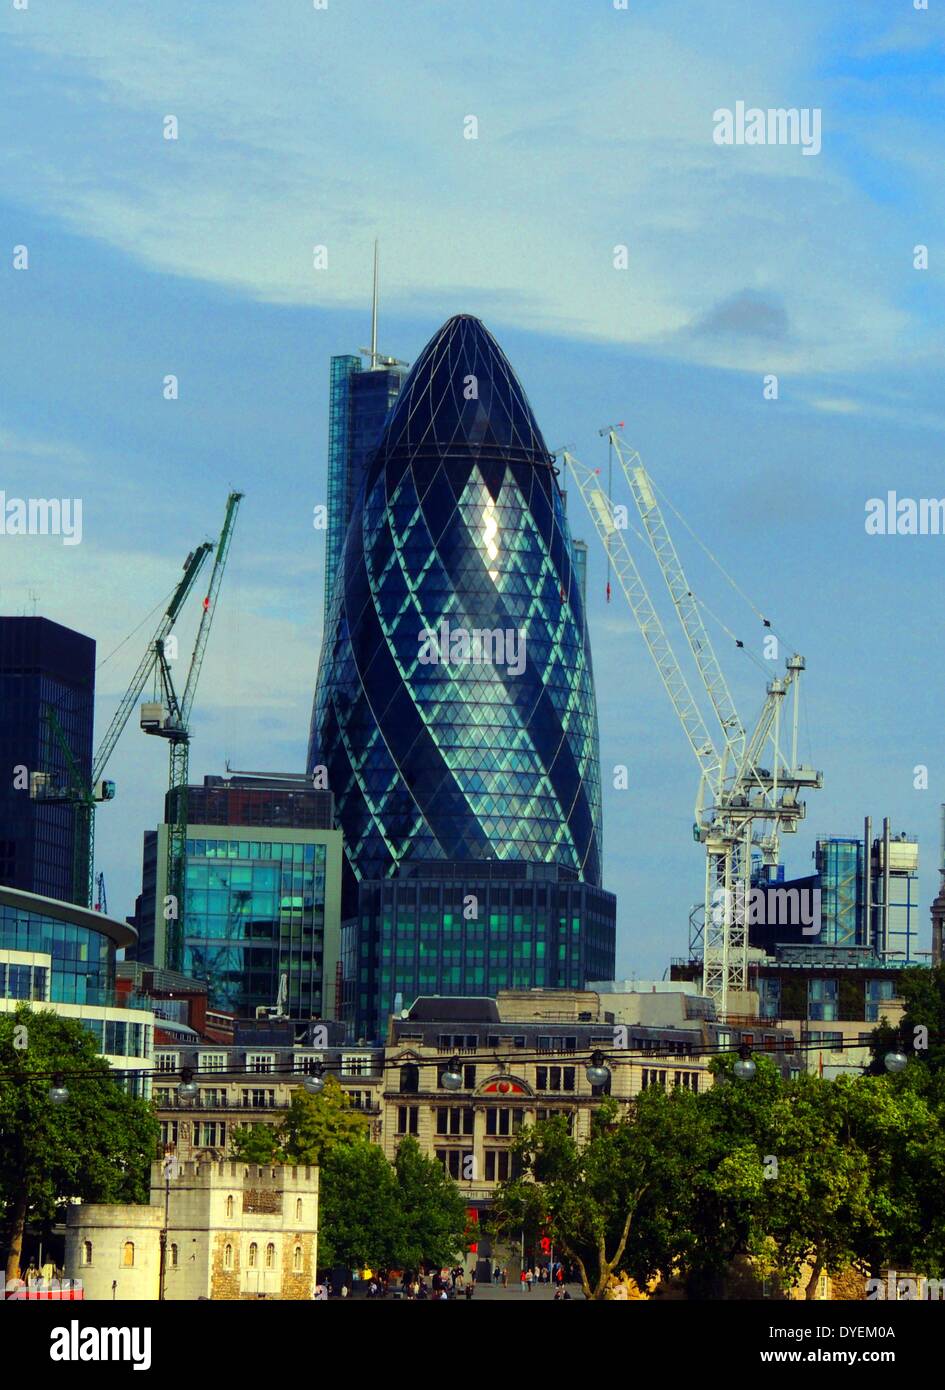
(83, 795)
(170, 718)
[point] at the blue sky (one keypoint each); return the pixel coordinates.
(300, 127)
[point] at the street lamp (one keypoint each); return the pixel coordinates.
(597, 1071)
(895, 1060)
(187, 1089)
(452, 1078)
(315, 1082)
(58, 1091)
(746, 1067)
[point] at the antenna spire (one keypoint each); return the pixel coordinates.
(374, 314)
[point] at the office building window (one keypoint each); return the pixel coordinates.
(211, 1061)
(260, 1061)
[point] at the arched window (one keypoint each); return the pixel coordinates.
(298, 1208)
(253, 1255)
(173, 1257)
(86, 1252)
(297, 1260)
(410, 1077)
(128, 1254)
(228, 1257)
(270, 1255)
(229, 1206)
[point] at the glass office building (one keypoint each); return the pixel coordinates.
(60, 956)
(840, 870)
(263, 893)
(260, 903)
(359, 401)
(257, 907)
(432, 752)
(449, 928)
(43, 666)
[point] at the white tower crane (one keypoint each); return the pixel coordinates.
(740, 803)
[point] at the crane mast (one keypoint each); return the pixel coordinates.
(749, 805)
(84, 795)
(170, 719)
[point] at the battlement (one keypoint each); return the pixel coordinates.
(230, 1173)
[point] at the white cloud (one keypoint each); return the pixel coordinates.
(300, 129)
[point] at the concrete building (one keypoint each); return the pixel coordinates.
(228, 1231)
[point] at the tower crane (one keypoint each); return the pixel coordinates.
(169, 718)
(740, 803)
(82, 793)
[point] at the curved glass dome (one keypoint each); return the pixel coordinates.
(439, 745)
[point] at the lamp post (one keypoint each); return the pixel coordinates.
(170, 1169)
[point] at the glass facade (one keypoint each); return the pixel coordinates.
(840, 867)
(255, 909)
(462, 525)
(471, 933)
(83, 961)
(42, 665)
(358, 405)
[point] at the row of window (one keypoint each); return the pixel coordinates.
(683, 1080)
(252, 1255)
(23, 981)
(263, 1062)
(255, 849)
(499, 1164)
(459, 1119)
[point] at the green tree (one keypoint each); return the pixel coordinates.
(433, 1222)
(583, 1196)
(98, 1145)
(923, 994)
(360, 1219)
(313, 1126)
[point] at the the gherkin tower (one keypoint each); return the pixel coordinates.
(461, 523)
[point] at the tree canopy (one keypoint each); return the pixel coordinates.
(372, 1213)
(98, 1145)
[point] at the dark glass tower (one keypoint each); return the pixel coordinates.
(359, 400)
(460, 522)
(43, 666)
